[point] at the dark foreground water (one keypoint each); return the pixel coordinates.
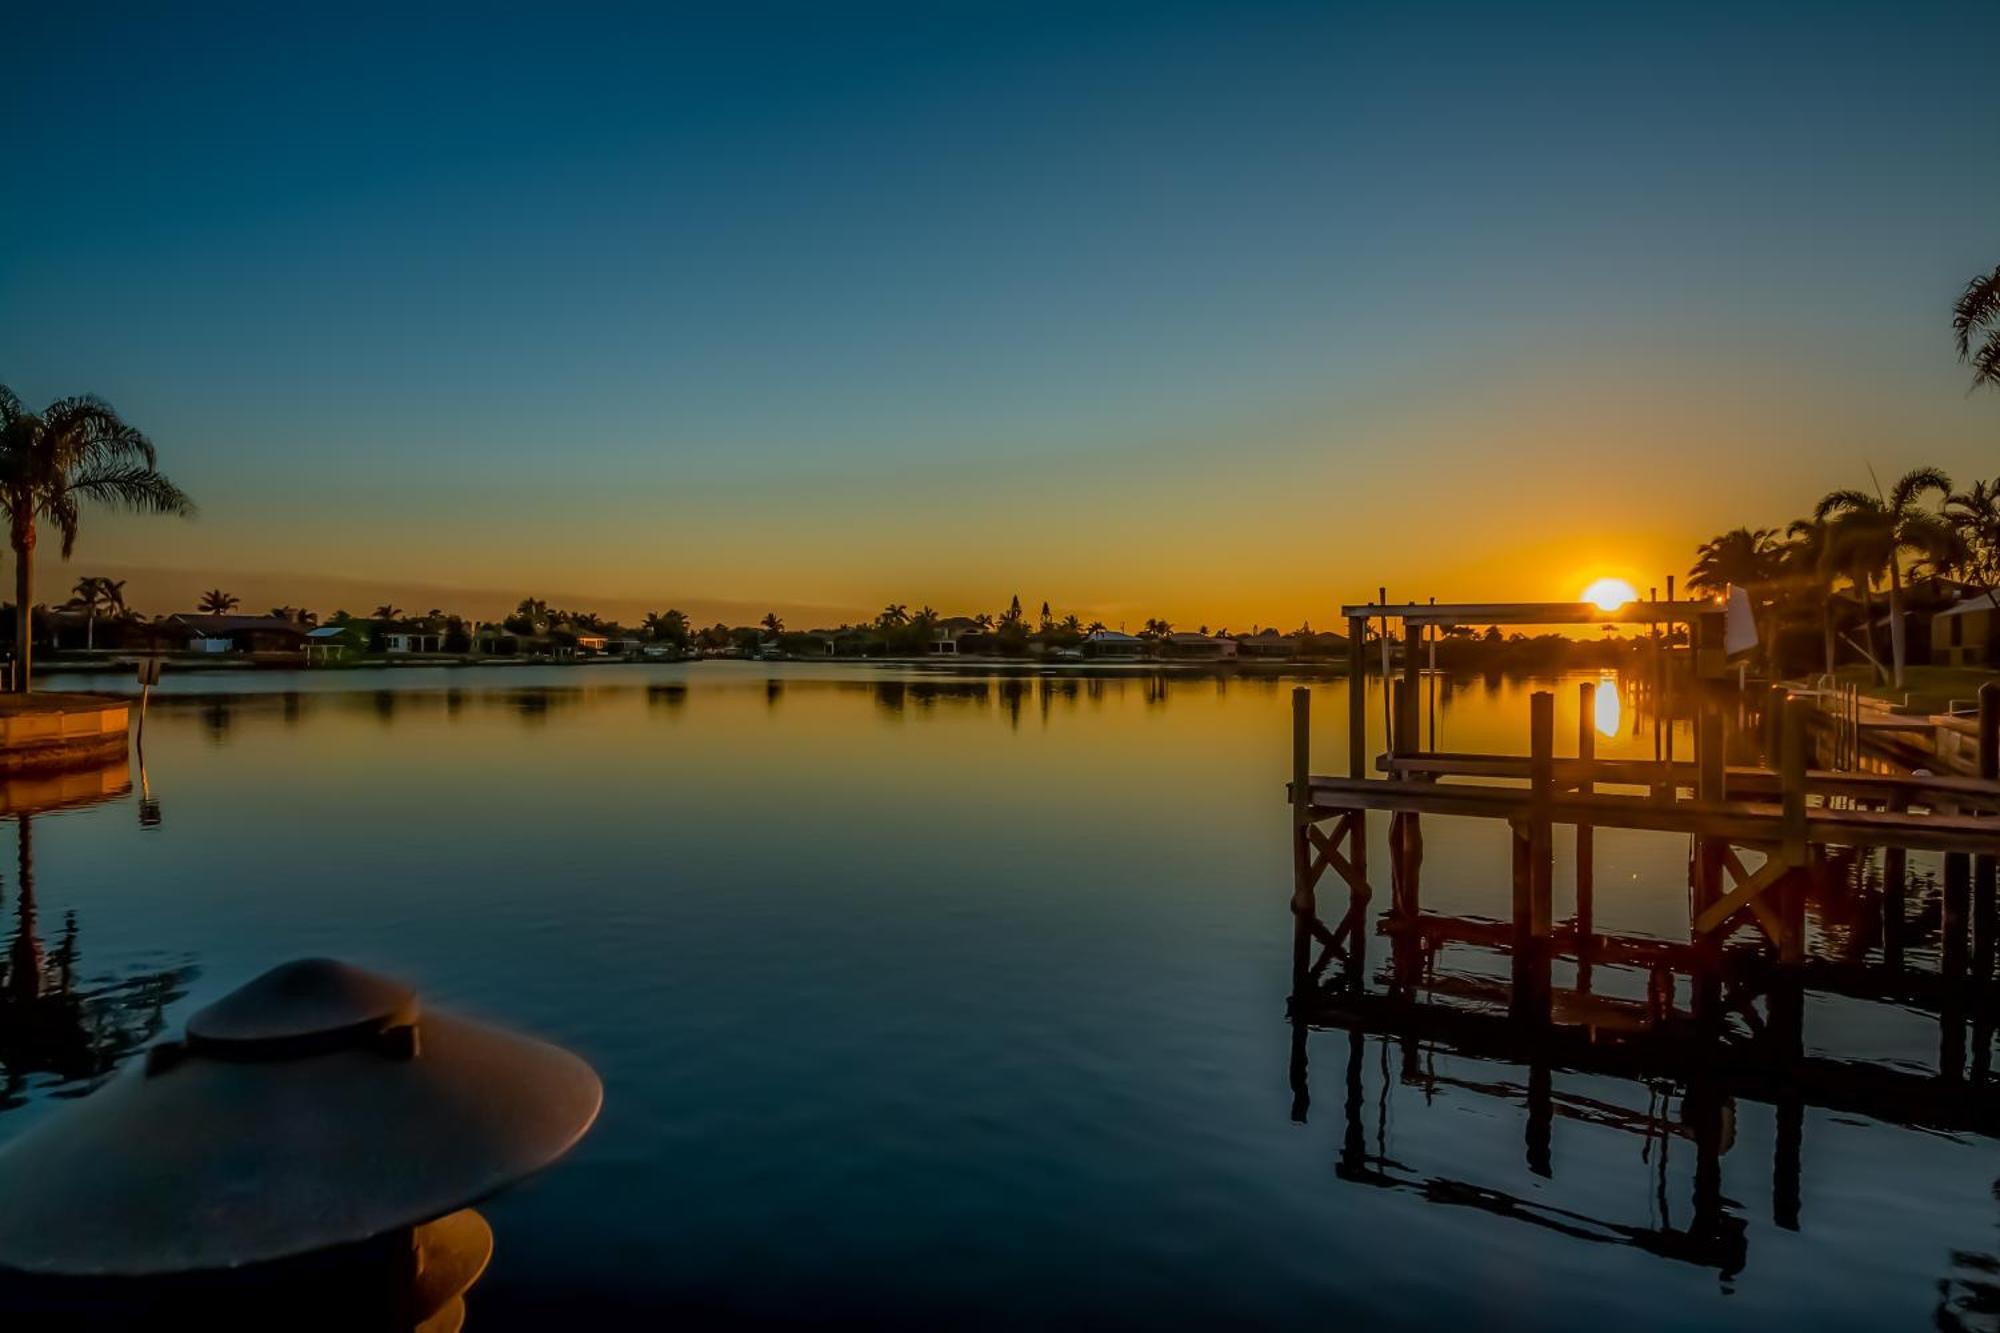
(946, 1001)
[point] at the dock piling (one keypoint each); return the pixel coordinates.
(1304, 904)
(1586, 833)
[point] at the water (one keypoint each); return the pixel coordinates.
(928, 999)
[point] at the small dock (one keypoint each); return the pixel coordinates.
(1763, 839)
(1715, 1016)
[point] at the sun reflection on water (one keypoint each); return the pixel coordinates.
(1609, 712)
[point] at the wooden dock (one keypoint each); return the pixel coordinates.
(1763, 838)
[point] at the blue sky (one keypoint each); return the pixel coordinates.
(841, 304)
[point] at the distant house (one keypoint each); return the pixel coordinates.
(240, 634)
(330, 643)
(411, 638)
(950, 633)
(627, 645)
(1269, 645)
(590, 641)
(1962, 634)
(1197, 647)
(1110, 644)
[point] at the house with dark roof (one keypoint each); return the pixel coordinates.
(239, 634)
(1197, 647)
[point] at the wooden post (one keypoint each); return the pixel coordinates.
(1532, 862)
(1586, 836)
(1792, 783)
(1709, 852)
(1667, 676)
(1357, 696)
(1985, 872)
(1357, 762)
(1304, 904)
(1400, 737)
(1774, 723)
(1412, 710)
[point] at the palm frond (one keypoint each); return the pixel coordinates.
(1845, 502)
(1978, 306)
(1914, 483)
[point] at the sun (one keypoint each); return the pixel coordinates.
(1610, 594)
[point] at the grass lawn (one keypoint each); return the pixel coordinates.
(1931, 688)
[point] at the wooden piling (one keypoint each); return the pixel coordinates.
(1707, 871)
(1304, 904)
(1412, 710)
(1586, 835)
(1985, 870)
(1357, 696)
(1533, 847)
(1792, 787)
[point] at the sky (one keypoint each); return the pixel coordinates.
(1226, 313)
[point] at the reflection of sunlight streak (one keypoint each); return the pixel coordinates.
(1609, 714)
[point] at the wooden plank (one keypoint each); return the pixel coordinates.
(1738, 821)
(1963, 794)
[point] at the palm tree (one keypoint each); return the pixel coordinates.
(536, 613)
(1977, 317)
(216, 602)
(894, 614)
(1746, 558)
(1805, 573)
(1975, 515)
(1870, 533)
(93, 592)
(773, 623)
(76, 451)
(388, 611)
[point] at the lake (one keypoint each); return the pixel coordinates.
(957, 999)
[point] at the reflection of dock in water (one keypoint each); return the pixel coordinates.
(53, 1021)
(1716, 1017)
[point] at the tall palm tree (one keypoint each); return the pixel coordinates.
(93, 593)
(216, 602)
(773, 623)
(76, 451)
(1975, 326)
(388, 611)
(1805, 575)
(1870, 534)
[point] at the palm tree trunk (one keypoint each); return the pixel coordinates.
(1826, 625)
(1896, 620)
(24, 593)
(90, 630)
(1868, 625)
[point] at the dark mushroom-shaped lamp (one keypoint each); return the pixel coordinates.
(315, 1135)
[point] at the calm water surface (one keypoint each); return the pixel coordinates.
(955, 1000)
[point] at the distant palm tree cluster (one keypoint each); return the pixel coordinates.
(1920, 528)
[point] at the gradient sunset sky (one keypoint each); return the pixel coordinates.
(1221, 312)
